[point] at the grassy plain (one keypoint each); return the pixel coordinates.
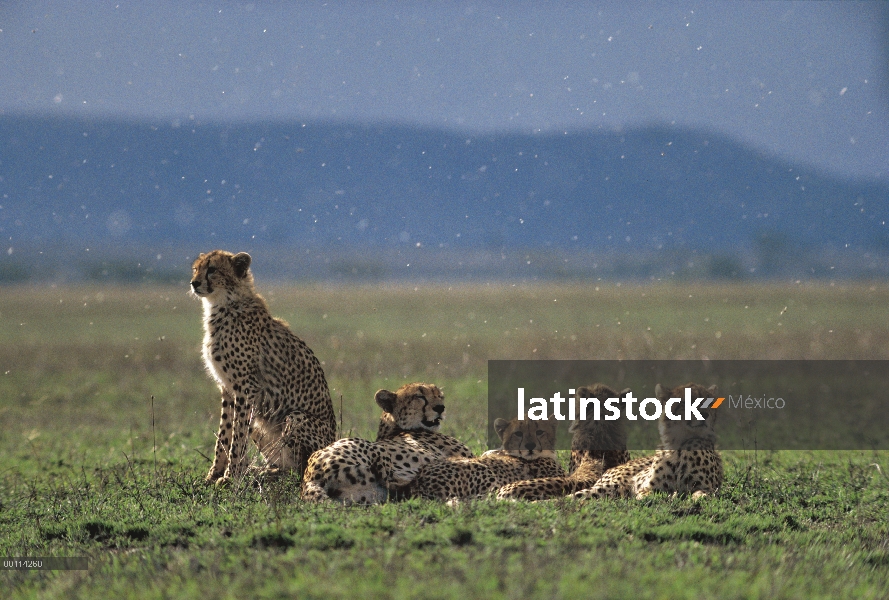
(106, 416)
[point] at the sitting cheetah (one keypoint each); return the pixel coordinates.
(596, 447)
(527, 452)
(273, 387)
(357, 471)
(687, 461)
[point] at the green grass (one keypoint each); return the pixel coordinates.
(106, 415)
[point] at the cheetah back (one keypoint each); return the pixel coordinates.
(408, 439)
(475, 477)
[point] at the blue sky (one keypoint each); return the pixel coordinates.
(807, 81)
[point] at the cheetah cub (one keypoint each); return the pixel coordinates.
(527, 453)
(687, 461)
(596, 446)
(357, 471)
(273, 388)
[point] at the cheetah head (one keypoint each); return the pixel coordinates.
(413, 406)
(220, 271)
(675, 433)
(590, 434)
(528, 440)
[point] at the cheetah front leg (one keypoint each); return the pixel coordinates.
(237, 459)
(223, 438)
(659, 477)
(594, 493)
(246, 393)
(699, 486)
(643, 483)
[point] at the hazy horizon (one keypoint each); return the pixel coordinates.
(806, 82)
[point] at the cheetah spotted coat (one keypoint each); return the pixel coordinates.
(595, 447)
(686, 463)
(273, 388)
(527, 453)
(357, 471)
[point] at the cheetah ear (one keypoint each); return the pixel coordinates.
(713, 389)
(626, 391)
(385, 400)
(500, 426)
(661, 394)
(241, 262)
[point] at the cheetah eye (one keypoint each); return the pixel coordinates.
(211, 270)
(517, 434)
(540, 432)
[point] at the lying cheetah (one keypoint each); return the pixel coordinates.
(686, 463)
(527, 452)
(357, 471)
(596, 447)
(273, 387)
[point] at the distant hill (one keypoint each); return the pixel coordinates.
(321, 185)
